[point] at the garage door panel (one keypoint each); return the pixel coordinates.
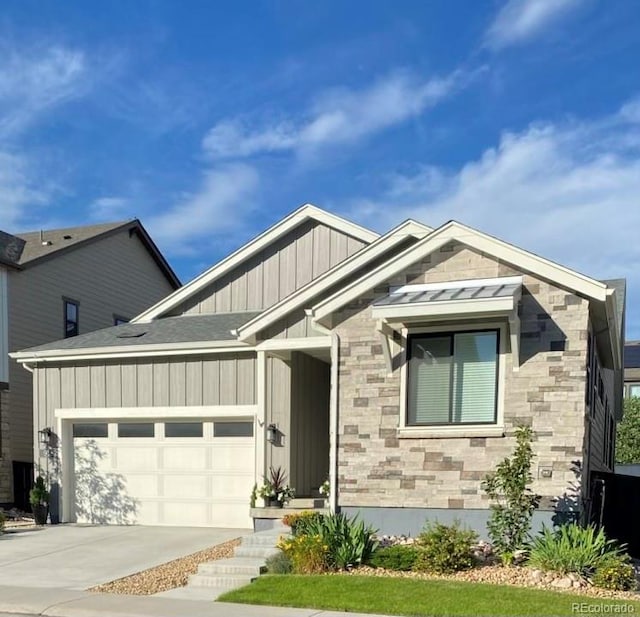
(183, 457)
(156, 481)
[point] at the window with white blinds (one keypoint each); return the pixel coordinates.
(452, 378)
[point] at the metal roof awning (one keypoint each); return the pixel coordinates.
(452, 300)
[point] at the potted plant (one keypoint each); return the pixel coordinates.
(325, 491)
(39, 499)
(275, 491)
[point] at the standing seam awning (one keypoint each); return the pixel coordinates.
(451, 300)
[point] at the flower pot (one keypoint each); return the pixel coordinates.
(40, 513)
(272, 502)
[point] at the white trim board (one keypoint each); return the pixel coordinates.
(107, 413)
(331, 277)
(454, 231)
(308, 211)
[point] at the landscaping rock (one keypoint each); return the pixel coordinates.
(563, 583)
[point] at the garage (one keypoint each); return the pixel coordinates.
(162, 471)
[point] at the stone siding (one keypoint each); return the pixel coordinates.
(377, 467)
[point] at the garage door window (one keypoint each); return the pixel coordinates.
(136, 429)
(233, 429)
(90, 430)
(183, 429)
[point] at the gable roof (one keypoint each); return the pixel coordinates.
(38, 246)
(11, 248)
(302, 214)
(332, 276)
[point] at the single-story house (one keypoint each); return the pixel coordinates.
(396, 365)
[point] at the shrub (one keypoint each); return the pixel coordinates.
(513, 501)
(308, 553)
(400, 557)
(301, 522)
(350, 541)
(445, 548)
(279, 564)
(572, 548)
(616, 573)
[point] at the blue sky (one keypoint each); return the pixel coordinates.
(209, 120)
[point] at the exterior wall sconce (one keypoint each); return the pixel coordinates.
(44, 437)
(272, 433)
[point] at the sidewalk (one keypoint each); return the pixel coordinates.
(67, 603)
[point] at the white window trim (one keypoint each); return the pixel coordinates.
(406, 431)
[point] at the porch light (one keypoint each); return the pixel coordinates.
(44, 436)
(272, 433)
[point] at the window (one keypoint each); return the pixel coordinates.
(233, 429)
(634, 389)
(93, 429)
(70, 318)
(119, 320)
(452, 378)
(183, 429)
(136, 429)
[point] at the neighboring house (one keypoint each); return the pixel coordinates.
(397, 365)
(63, 283)
(632, 368)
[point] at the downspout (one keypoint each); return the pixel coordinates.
(333, 410)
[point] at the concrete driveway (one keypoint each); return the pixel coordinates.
(81, 556)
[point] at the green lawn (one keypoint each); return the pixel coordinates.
(405, 596)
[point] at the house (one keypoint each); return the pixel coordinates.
(62, 283)
(396, 365)
(632, 368)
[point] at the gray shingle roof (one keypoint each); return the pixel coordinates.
(52, 240)
(11, 248)
(181, 329)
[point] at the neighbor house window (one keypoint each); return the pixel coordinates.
(633, 389)
(70, 318)
(452, 378)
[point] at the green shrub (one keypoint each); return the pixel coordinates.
(279, 564)
(615, 573)
(572, 548)
(445, 548)
(302, 522)
(513, 502)
(308, 554)
(399, 557)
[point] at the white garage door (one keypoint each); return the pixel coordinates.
(157, 472)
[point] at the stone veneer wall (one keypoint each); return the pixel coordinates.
(376, 468)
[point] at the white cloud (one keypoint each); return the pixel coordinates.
(568, 192)
(520, 20)
(20, 193)
(110, 208)
(336, 117)
(35, 80)
(223, 201)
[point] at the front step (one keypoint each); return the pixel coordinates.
(222, 581)
(256, 551)
(306, 503)
(268, 539)
(243, 566)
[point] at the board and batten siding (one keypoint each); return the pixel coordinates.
(114, 275)
(298, 403)
(280, 269)
(228, 379)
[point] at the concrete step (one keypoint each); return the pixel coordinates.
(246, 566)
(263, 539)
(222, 581)
(255, 551)
(306, 502)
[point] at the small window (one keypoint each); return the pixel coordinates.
(136, 429)
(233, 429)
(119, 320)
(634, 389)
(70, 318)
(183, 429)
(93, 429)
(452, 378)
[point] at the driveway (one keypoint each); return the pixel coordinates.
(81, 556)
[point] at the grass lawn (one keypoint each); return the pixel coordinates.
(405, 596)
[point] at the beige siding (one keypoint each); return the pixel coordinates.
(227, 379)
(278, 395)
(286, 265)
(114, 275)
